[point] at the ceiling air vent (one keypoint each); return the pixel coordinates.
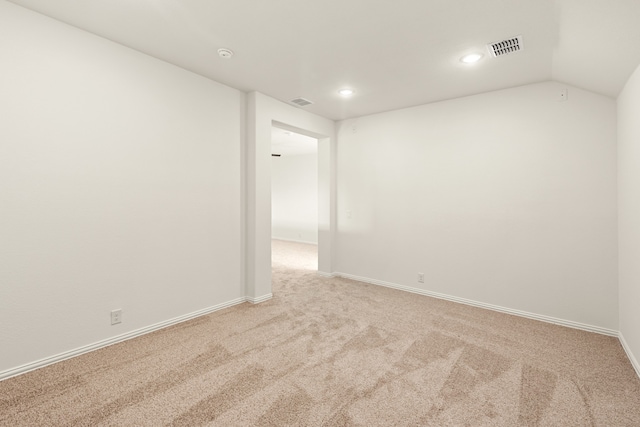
(301, 102)
(505, 47)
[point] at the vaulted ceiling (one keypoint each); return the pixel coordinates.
(394, 54)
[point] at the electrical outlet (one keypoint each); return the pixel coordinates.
(420, 277)
(116, 316)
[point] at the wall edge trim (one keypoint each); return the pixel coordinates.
(23, 369)
(258, 300)
(627, 349)
(520, 313)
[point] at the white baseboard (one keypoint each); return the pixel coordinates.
(534, 316)
(295, 241)
(329, 275)
(632, 358)
(119, 338)
(258, 300)
(142, 331)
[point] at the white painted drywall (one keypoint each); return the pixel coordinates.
(120, 187)
(262, 112)
(629, 212)
(294, 198)
(506, 198)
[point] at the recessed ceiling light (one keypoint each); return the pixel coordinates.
(471, 58)
(346, 92)
(225, 53)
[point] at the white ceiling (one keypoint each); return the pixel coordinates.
(395, 54)
(287, 143)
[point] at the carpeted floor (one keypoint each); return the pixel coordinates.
(333, 352)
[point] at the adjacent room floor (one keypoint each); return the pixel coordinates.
(334, 352)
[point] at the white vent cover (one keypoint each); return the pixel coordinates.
(505, 47)
(301, 102)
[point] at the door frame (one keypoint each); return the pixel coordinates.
(264, 112)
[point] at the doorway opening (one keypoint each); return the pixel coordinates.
(294, 200)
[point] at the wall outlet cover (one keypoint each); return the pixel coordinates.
(116, 317)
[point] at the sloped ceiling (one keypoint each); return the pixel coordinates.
(598, 44)
(395, 54)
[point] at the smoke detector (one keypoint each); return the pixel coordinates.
(225, 53)
(505, 47)
(301, 102)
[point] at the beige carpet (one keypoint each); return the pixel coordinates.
(333, 352)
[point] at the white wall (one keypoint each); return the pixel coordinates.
(294, 198)
(506, 198)
(121, 184)
(629, 213)
(119, 188)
